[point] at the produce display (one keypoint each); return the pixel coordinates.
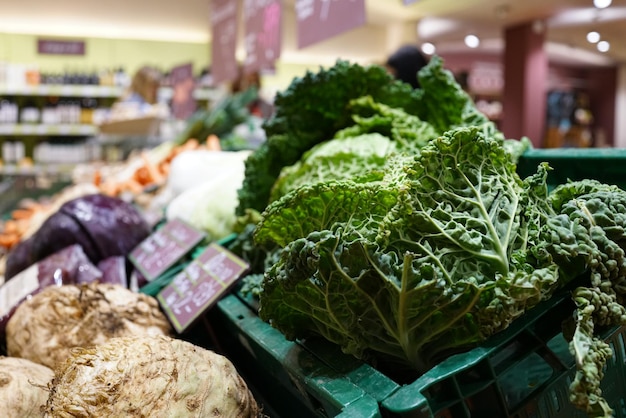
(103, 226)
(69, 288)
(47, 326)
(397, 227)
(23, 387)
(388, 220)
(148, 377)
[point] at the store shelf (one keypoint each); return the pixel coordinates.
(203, 93)
(166, 93)
(63, 91)
(24, 129)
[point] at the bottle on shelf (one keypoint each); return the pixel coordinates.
(8, 111)
(29, 113)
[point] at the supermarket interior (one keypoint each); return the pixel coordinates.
(313, 208)
(551, 66)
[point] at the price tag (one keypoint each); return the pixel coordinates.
(162, 249)
(200, 285)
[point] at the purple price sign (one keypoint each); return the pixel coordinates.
(263, 33)
(224, 40)
(60, 47)
(183, 104)
(200, 285)
(163, 248)
(318, 20)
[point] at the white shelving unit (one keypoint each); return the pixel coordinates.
(63, 91)
(27, 129)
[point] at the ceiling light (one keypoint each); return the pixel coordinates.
(472, 41)
(601, 4)
(428, 48)
(593, 36)
(603, 46)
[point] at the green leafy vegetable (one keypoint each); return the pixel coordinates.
(310, 111)
(434, 256)
(340, 158)
(315, 107)
(595, 217)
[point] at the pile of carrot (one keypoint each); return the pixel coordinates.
(14, 228)
(151, 173)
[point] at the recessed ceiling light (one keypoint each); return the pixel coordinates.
(428, 48)
(601, 4)
(603, 46)
(593, 36)
(472, 41)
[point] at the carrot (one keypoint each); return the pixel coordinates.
(153, 171)
(142, 175)
(9, 240)
(190, 144)
(97, 178)
(22, 214)
(213, 143)
(110, 188)
(10, 226)
(132, 186)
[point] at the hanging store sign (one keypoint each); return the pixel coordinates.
(262, 22)
(224, 40)
(60, 47)
(318, 20)
(183, 104)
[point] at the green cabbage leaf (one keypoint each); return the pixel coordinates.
(433, 254)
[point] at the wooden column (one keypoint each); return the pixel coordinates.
(525, 81)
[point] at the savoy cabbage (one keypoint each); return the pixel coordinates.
(435, 252)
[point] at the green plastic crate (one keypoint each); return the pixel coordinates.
(607, 165)
(292, 380)
(523, 372)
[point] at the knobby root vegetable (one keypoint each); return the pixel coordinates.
(23, 387)
(47, 326)
(148, 377)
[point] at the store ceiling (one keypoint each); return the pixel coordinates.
(443, 22)
(566, 22)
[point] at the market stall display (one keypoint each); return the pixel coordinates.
(429, 252)
(395, 228)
